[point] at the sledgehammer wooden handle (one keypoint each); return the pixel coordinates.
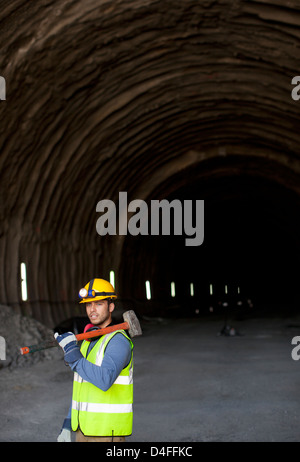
(86, 335)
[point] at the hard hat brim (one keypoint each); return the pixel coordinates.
(94, 299)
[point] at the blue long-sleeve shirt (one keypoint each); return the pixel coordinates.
(117, 356)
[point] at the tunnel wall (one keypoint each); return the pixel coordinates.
(103, 97)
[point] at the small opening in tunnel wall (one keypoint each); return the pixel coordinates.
(24, 282)
(148, 290)
(173, 291)
(112, 278)
(192, 289)
(2, 89)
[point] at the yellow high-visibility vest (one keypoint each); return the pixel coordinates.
(103, 413)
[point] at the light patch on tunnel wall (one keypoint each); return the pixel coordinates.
(2, 89)
(2, 349)
(173, 290)
(112, 278)
(133, 218)
(192, 292)
(23, 282)
(148, 290)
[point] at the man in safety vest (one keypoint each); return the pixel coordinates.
(101, 408)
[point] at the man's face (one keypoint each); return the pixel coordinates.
(99, 312)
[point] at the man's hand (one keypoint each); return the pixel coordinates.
(65, 433)
(64, 436)
(68, 343)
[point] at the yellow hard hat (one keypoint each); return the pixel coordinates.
(96, 289)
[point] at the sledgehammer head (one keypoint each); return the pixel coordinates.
(133, 323)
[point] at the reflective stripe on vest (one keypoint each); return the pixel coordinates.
(121, 380)
(102, 407)
(100, 413)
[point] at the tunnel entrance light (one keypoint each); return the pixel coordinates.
(226, 289)
(238, 290)
(211, 289)
(191, 289)
(173, 292)
(24, 282)
(112, 278)
(148, 290)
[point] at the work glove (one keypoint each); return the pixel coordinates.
(68, 343)
(65, 433)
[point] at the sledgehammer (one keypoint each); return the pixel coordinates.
(131, 323)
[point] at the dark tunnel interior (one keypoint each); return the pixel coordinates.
(181, 100)
(250, 249)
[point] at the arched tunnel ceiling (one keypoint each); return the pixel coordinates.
(106, 96)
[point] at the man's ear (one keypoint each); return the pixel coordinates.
(111, 307)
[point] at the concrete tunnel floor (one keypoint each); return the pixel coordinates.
(190, 385)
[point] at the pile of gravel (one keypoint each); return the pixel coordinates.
(19, 331)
